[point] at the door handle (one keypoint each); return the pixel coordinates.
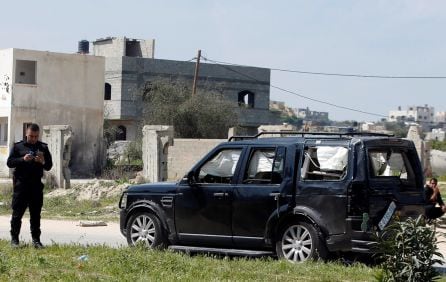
(220, 194)
(276, 195)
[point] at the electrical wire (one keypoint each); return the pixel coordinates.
(333, 74)
(299, 95)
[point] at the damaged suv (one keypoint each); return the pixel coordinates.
(300, 196)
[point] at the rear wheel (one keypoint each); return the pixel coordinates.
(144, 228)
(300, 241)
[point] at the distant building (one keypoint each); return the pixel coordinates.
(437, 134)
(282, 108)
(306, 114)
(420, 114)
(53, 89)
(440, 117)
(373, 127)
(130, 63)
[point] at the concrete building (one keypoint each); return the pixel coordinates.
(306, 114)
(420, 114)
(437, 134)
(440, 117)
(53, 89)
(130, 63)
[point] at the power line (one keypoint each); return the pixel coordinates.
(297, 94)
(334, 74)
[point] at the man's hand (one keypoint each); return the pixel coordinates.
(28, 157)
(39, 158)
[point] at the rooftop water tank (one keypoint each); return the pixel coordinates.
(83, 47)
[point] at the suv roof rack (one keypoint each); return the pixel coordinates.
(303, 133)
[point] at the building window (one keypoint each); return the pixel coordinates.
(25, 72)
(107, 91)
(133, 48)
(121, 133)
(246, 99)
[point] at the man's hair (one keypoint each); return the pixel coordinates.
(434, 180)
(33, 127)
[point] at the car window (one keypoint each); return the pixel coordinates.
(387, 163)
(220, 168)
(324, 163)
(265, 166)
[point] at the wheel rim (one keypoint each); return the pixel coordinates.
(143, 231)
(297, 244)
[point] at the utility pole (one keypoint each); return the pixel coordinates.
(197, 66)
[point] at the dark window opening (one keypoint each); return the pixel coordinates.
(246, 99)
(133, 48)
(25, 72)
(121, 133)
(107, 91)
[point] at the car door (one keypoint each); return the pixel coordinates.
(395, 180)
(256, 195)
(203, 210)
(323, 181)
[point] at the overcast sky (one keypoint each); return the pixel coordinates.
(391, 38)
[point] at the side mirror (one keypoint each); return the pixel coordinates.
(191, 179)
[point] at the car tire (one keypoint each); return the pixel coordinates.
(299, 242)
(144, 228)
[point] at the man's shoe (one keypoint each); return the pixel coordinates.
(37, 244)
(15, 242)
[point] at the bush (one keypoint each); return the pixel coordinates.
(407, 250)
(439, 145)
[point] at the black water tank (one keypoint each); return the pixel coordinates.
(83, 47)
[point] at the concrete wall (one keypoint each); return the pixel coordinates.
(6, 76)
(438, 162)
(185, 153)
(69, 90)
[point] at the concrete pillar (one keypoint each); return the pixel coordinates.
(423, 148)
(155, 143)
(59, 140)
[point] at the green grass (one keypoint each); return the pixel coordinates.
(136, 264)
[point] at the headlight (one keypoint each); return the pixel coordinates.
(123, 201)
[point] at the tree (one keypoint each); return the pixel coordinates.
(400, 129)
(205, 115)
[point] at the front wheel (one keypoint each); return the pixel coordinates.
(298, 242)
(144, 228)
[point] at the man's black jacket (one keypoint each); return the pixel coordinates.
(29, 171)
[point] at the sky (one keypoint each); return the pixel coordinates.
(387, 38)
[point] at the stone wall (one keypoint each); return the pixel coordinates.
(185, 153)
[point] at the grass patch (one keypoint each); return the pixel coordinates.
(136, 264)
(67, 207)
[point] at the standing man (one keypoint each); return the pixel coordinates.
(433, 197)
(28, 158)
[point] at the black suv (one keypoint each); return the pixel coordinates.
(299, 196)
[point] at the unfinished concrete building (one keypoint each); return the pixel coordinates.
(53, 89)
(130, 63)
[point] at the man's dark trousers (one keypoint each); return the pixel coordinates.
(27, 194)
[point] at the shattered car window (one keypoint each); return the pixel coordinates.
(220, 169)
(324, 163)
(265, 167)
(388, 163)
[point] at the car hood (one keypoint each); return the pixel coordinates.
(160, 187)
